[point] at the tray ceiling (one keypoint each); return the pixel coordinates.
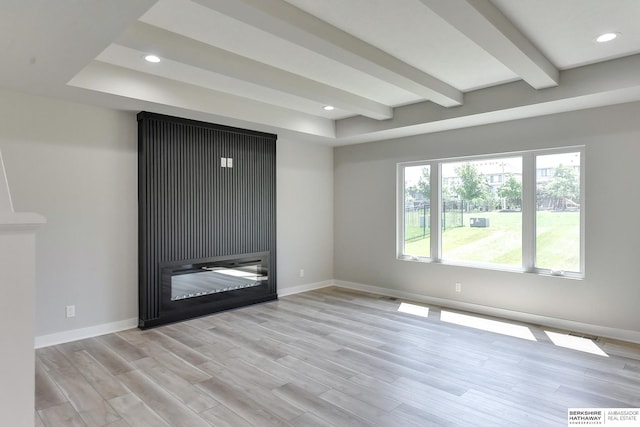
(390, 69)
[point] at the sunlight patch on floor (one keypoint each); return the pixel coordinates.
(575, 343)
(504, 328)
(416, 310)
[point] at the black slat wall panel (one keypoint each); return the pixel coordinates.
(192, 208)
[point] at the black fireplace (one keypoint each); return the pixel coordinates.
(207, 218)
(205, 277)
(199, 286)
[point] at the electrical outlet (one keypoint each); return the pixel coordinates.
(458, 287)
(301, 272)
(70, 311)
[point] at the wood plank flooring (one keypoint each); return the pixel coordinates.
(329, 357)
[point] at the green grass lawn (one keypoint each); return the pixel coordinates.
(501, 243)
(558, 237)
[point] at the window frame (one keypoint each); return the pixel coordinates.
(400, 204)
(533, 268)
(529, 213)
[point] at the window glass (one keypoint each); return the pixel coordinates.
(417, 211)
(482, 211)
(558, 201)
(518, 211)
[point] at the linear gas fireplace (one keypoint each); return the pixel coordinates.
(214, 275)
(197, 286)
(207, 218)
(206, 277)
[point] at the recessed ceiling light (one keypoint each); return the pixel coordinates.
(606, 37)
(151, 58)
(328, 107)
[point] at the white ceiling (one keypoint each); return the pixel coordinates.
(391, 68)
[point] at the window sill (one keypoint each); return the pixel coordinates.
(493, 267)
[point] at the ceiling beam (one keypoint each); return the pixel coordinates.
(303, 29)
(591, 86)
(485, 25)
(192, 101)
(148, 38)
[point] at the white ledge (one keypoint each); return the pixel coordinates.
(20, 220)
(10, 220)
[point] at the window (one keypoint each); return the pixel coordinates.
(417, 211)
(518, 211)
(482, 218)
(558, 200)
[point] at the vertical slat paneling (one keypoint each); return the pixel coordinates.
(192, 208)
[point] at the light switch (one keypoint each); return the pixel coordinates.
(229, 162)
(223, 162)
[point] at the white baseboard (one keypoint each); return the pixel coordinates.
(552, 322)
(568, 325)
(108, 328)
(79, 334)
(304, 288)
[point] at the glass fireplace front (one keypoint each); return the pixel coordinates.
(207, 279)
(215, 275)
(197, 287)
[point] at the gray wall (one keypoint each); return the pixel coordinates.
(77, 166)
(365, 220)
(305, 214)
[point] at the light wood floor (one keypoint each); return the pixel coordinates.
(327, 357)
